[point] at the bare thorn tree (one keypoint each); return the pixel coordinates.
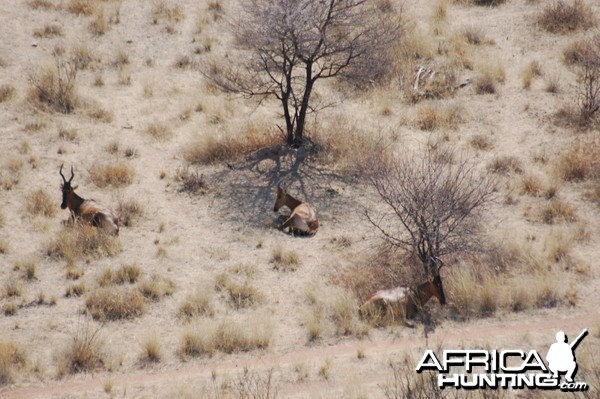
(430, 206)
(285, 46)
(588, 93)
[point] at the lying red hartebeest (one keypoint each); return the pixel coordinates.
(406, 301)
(87, 210)
(303, 218)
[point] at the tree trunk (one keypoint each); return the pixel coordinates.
(299, 133)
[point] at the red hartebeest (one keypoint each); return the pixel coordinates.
(87, 210)
(406, 301)
(302, 219)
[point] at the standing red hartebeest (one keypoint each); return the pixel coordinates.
(87, 210)
(302, 218)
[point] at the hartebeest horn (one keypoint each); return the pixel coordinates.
(72, 174)
(61, 175)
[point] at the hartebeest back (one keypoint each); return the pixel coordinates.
(302, 218)
(87, 210)
(406, 301)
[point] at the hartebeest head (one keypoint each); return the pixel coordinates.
(284, 199)
(66, 187)
(438, 289)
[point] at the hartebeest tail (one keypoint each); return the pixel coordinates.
(406, 301)
(302, 219)
(87, 210)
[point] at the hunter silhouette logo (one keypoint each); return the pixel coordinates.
(561, 355)
(507, 368)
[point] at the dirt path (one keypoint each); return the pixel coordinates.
(538, 329)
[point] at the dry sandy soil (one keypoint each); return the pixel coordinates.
(187, 240)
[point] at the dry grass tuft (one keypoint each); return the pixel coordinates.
(82, 7)
(284, 260)
(114, 304)
(191, 181)
(193, 344)
(12, 288)
(40, 4)
(75, 290)
(557, 211)
(562, 17)
(580, 162)
(49, 31)
(83, 241)
(161, 11)
(40, 203)
(130, 212)
(196, 304)
(345, 316)
(481, 142)
(579, 51)
(432, 117)
(127, 274)
(151, 352)
(159, 131)
(12, 360)
(506, 165)
(6, 92)
(156, 287)
(4, 247)
(487, 80)
(227, 336)
(233, 337)
(27, 268)
(475, 36)
(239, 294)
(212, 149)
(84, 353)
(111, 175)
(532, 71)
(55, 87)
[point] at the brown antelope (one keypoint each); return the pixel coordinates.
(87, 210)
(406, 301)
(303, 218)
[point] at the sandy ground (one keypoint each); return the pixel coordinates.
(202, 236)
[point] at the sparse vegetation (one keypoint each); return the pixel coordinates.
(84, 352)
(156, 287)
(580, 162)
(487, 80)
(12, 361)
(130, 212)
(284, 260)
(212, 149)
(556, 211)
(113, 303)
(532, 71)
(196, 304)
(49, 31)
(159, 131)
(127, 274)
(505, 165)
(560, 16)
(239, 294)
(151, 351)
(40, 203)
(83, 241)
(111, 175)
(192, 181)
(431, 117)
(54, 87)
(6, 92)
